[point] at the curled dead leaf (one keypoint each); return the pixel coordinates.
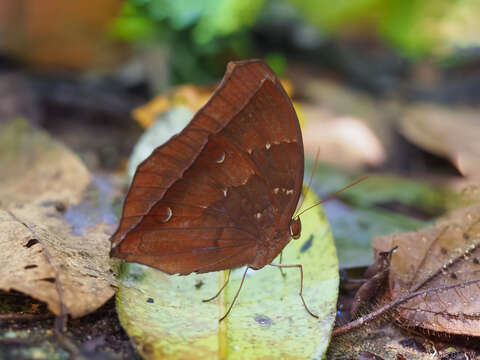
(377, 275)
(440, 264)
(41, 258)
(53, 247)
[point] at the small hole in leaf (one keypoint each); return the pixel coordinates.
(307, 244)
(30, 267)
(31, 242)
(263, 320)
(150, 300)
(49, 279)
(60, 207)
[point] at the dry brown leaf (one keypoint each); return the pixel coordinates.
(36, 168)
(41, 258)
(51, 249)
(452, 133)
(377, 275)
(446, 255)
(345, 141)
(341, 101)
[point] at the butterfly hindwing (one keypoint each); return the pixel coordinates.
(212, 195)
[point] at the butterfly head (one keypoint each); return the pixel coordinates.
(295, 228)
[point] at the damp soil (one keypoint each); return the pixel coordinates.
(27, 329)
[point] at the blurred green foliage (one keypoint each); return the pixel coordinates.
(201, 36)
(414, 27)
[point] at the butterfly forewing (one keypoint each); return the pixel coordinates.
(213, 197)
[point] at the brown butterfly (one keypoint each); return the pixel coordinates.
(223, 192)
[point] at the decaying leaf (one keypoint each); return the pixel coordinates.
(40, 257)
(443, 263)
(53, 246)
(345, 141)
(339, 102)
(36, 168)
(377, 275)
(452, 133)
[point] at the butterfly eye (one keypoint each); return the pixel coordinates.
(295, 228)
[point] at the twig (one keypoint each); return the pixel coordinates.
(401, 299)
(26, 317)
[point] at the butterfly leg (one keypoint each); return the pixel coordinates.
(280, 261)
(221, 289)
(236, 295)
(301, 284)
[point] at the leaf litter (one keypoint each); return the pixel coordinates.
(431, 127)
(433, 279)
(445, 257)
(41, 258)
(42, 253)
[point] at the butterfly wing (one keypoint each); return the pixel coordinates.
(214, 195)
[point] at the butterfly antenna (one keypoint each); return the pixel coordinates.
(332, 196)
(315, 165)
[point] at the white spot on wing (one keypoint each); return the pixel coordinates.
(221, 159)
(258, 215)
(225, 192)
(267, 146)
(169, 215)
(289, 192)
(275, 191)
